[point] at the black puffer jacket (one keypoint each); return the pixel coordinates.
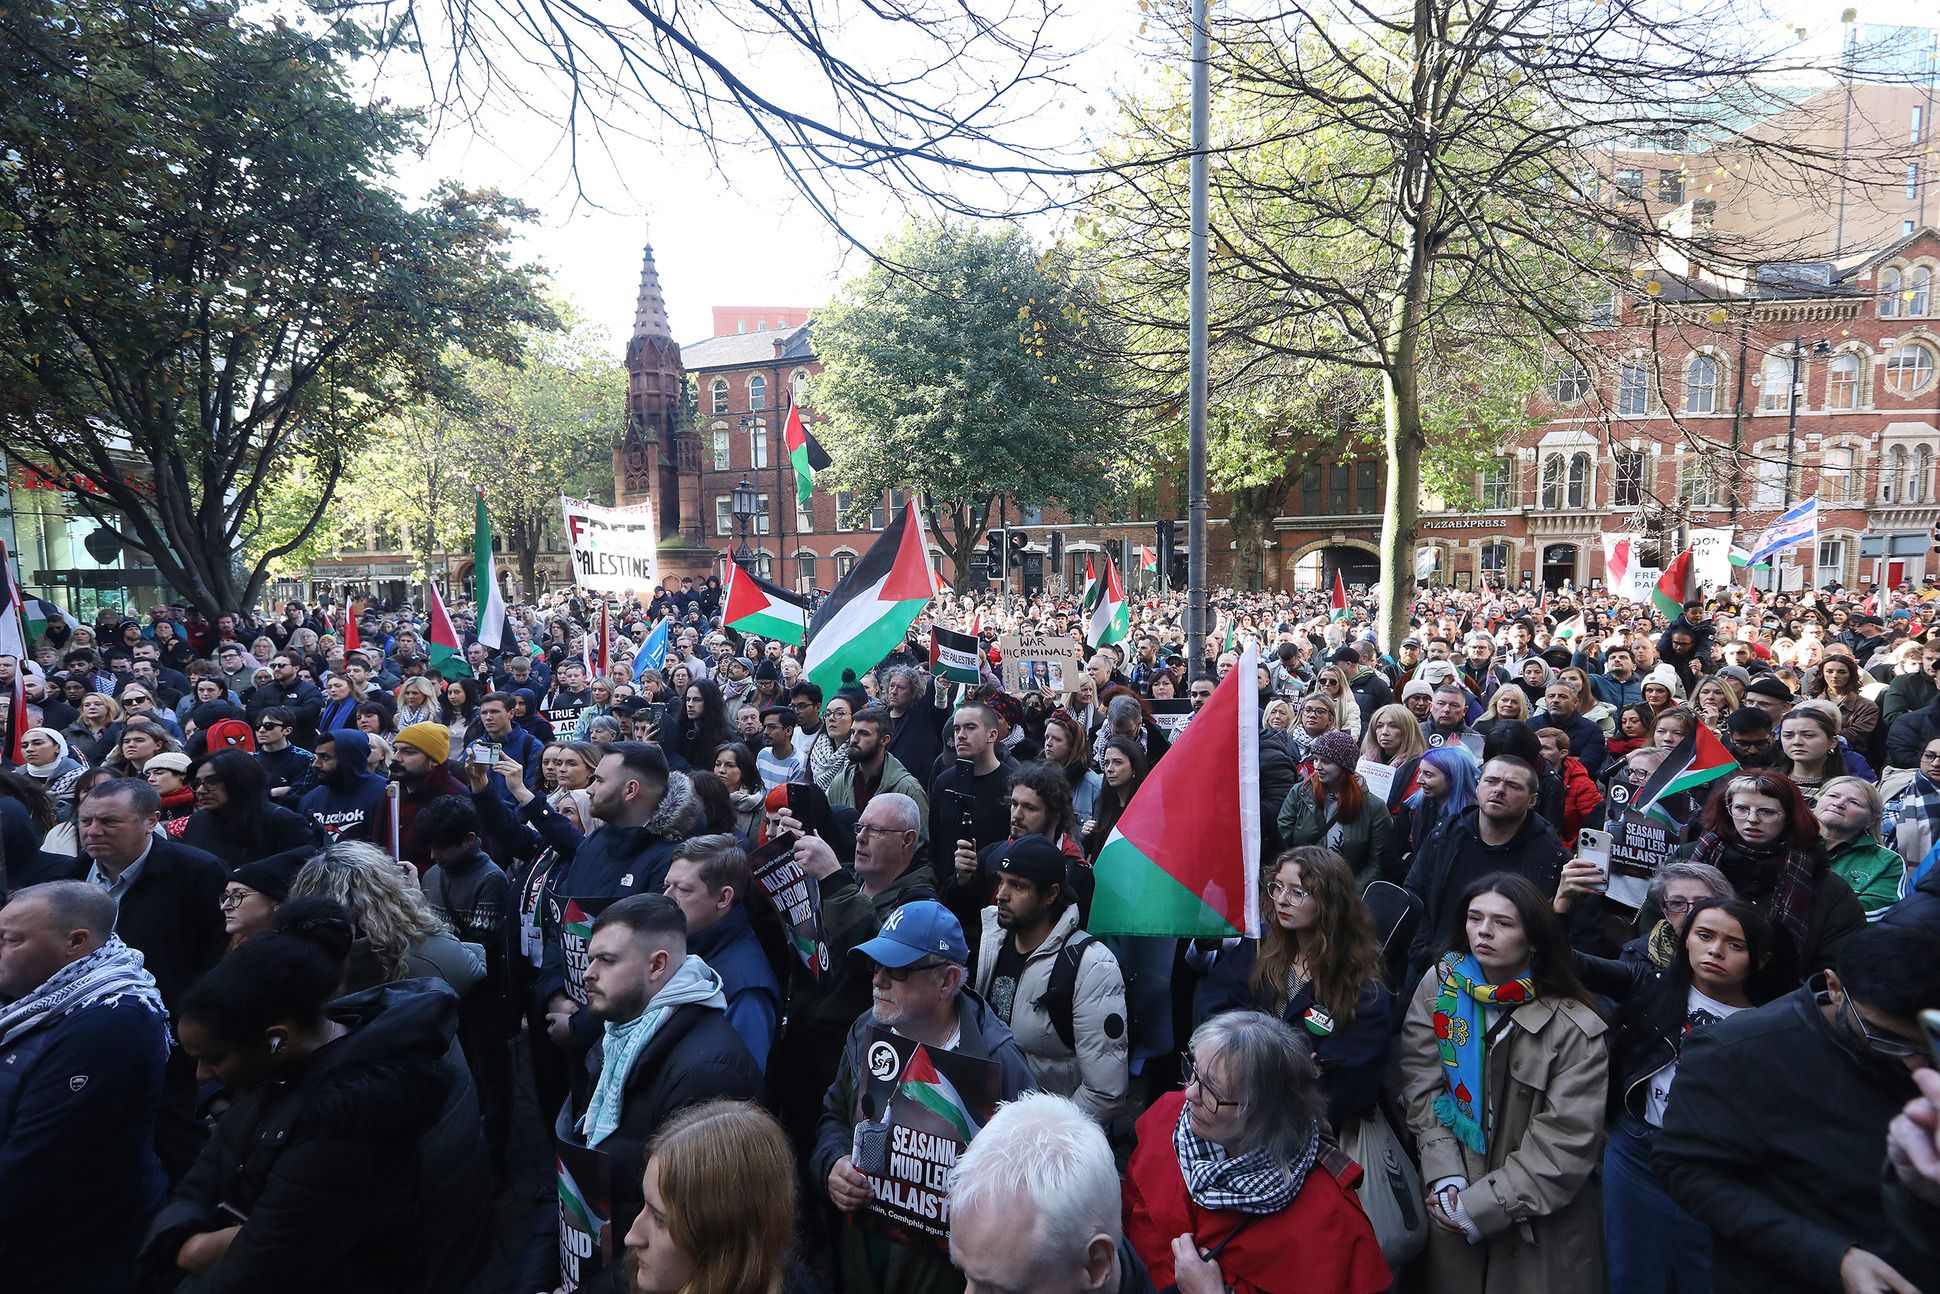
(364, 1170)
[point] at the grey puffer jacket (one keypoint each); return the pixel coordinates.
(1094, 1071)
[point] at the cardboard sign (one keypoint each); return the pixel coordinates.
(798, 903)
(916, 1110)
(1171, 716)
(614, 550)
(1639, 845)
(1046, 663)
(573, 917)
(586, 1240)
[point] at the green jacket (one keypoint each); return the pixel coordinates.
(895, 777)
(1877, 874)
(1361, 840)
(1906, 692)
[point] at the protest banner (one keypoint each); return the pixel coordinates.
(955, 656)
(798, 903)
(1640, 843)
(1711, 556)
(586, 1240)
(614, 550)
(916, 1111)
(1039, 663)
(1378, 777)
(574, 916)
(1171, 716)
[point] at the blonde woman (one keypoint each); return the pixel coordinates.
(399, 936)
(1337, 685)
(1278, 715)
(1393, 737)
(1508, 705)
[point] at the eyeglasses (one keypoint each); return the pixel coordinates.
(1885, 1044)
(1190, 1076)
(1295, 893)
(233, 898)
(1930, 757)
(208, 782)
(864, 829)
(902, 973)
(1678, 907)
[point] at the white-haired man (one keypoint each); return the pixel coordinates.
(1035, 1206)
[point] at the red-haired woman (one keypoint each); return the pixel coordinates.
(1332, 807)
(1763, 836)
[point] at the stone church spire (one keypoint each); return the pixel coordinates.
(650, 312)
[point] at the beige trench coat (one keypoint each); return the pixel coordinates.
(1546, 1082)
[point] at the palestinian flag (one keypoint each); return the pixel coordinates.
(492, 626)
(1674, 586)
(39, 613)
(1741, 558)
(754, 606)
(1337, 600)
(597, 645)
(870, 611)
(1108, 620)
(1232, 635)
(353, 634)
(442, 644)
(14, 644)
(1569, 630)
(922, 1084)
(1698, 759)
(1184, 860)
(805, 455)
(955, 656)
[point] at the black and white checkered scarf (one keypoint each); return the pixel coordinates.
(1254, 1182)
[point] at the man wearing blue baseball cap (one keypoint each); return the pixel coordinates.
(917, 965)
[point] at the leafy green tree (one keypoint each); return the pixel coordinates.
(203, 274)
(967, 367)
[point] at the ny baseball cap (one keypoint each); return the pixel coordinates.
(924, 928)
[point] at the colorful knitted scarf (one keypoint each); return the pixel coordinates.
(1459, 1037)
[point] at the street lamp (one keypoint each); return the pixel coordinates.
(746, 507)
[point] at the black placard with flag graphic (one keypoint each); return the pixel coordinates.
(586, 1240)
(796, 901)
(573, 916)
(917, 1108)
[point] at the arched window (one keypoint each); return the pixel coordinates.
(723, 448)
(1891, 481)
(805, 571)
(1701, 385)
(1889, 294)
(1919, 293)
(1553, 482)
(1579, 491)
(1771, 474)
(1775, 384)
(757, 393)
(798, 386)
(1920, 485)
(1909, 370)
(1633, 390)
(720, 396)
(1835, 476)
(1495, 556)
(1842, 382)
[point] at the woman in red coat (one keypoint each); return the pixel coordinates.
(1229, 1181)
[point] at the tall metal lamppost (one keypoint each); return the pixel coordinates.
(746, 507)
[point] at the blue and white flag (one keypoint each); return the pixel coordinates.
(653, 652)
(1798, 526)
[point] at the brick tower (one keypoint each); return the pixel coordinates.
(658, 455)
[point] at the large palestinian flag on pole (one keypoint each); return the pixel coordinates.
(1698, 759)
(492, 626)
(754, 606)
(805, 455)
(1107, 619)
(1337, 599)
(871, 610)
(1184, 860)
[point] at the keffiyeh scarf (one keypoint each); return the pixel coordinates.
(1460, 1031)
(1254, 1182)
(1780, 881)
(110, 974)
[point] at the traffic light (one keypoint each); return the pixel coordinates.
(995, 543)
(1177, 567)
(1057, 550)
(1017, 541)
(1116, 547)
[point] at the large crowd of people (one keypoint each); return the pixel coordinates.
(305, 941)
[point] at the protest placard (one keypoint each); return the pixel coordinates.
(574, 916)
(1639, 845)
(586, 1240)
(1171, 716)
(614, 550)
(916, 1110)
(795, 900)
(1039, 663)
(1379, 778)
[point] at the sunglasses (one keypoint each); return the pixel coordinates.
(902, 973)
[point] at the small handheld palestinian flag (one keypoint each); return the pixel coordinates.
(955, 655)
(1337, 601)
(1674, 586)
(805, 455)
(443, 638)
(1107, 619)
(1698, 759)
(754, 606)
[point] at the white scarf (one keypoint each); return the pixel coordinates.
(695, 982)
